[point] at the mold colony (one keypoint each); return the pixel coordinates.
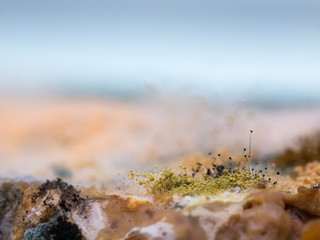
(214, 199)
(56, 214)
(201, 180)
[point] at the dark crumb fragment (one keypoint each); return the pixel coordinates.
(54, 223)
(65, 230)
(10, 198)
(69, 197)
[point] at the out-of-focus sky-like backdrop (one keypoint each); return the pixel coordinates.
(227, 49)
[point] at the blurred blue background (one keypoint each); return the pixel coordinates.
(250, 51)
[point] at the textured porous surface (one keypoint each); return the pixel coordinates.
(58, 210)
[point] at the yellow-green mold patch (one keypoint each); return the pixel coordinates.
(171, 182)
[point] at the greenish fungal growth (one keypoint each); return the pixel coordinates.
(62, 172)
(56, 228)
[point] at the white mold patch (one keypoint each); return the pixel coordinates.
(231, 196)
(159, 230)
(92, 221)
